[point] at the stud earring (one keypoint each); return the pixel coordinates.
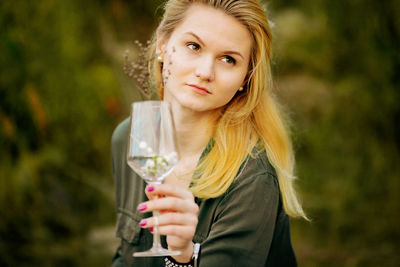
(241, 88)
(159, 58)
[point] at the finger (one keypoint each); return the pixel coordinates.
(149, 193)
(169, 203)
(180, 231)
(168, 190)
(171, 218)
(153, 196)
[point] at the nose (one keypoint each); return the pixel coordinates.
(205, 69)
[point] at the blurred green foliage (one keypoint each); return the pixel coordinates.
(62, 92)
(338, 67)
(59, 104)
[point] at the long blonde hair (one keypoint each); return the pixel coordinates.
(251, 118)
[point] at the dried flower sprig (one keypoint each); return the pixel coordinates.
(138, 71)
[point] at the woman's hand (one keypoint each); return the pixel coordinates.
(177, 219)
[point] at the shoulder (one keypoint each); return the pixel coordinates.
(255, 182)
(257, 170)
(121, 132)
(119, 142)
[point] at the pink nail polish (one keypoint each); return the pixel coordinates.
(150, 189)
(151, 229)
(142, 223)
(142, 207)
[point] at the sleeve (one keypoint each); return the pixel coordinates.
(115, 140)
(281, 252)
(117, 145)
(129, 192)
(244, 222)
(117, 260)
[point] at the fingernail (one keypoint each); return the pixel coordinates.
(151, 229)
(150, 188)
(142, 207)
(143, 223)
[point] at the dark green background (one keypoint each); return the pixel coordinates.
(62, 92)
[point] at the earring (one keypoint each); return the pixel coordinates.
(241, 88)
(159, 58)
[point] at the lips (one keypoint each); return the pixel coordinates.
(199, 89)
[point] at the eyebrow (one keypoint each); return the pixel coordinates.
(202, 43)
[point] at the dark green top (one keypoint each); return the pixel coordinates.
(246, 226)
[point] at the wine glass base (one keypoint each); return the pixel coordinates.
(157, 252)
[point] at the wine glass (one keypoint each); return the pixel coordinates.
(152, 154)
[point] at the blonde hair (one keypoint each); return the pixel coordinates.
(250, 119)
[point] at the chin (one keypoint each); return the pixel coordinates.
(201, 107)
(195, 108)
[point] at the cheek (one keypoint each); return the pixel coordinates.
(174, 64)
(166, 70)
(231, 82)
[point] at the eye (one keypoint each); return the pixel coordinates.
(193, 46)
(229, 60)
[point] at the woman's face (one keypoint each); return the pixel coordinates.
(206, 59)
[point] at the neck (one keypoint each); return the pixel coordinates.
(194, 131)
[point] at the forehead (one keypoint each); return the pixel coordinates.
(215, 27)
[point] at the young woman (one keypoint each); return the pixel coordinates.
(233, 187)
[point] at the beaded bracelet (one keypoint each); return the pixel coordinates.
(170, 262)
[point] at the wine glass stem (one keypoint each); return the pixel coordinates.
(156, 235)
